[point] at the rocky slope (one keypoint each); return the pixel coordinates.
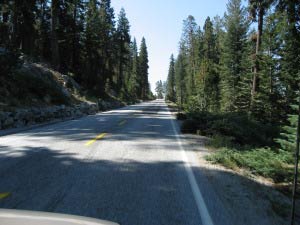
(35, 93)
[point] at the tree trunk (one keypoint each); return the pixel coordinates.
(15, 30)
(120, 74)
(54, 39)
(257, 51)
(74, 41)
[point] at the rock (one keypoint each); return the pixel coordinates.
(78, 112)
(22, 117)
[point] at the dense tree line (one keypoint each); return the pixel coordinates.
(228, 66)
(160, 89)
(79, 37)
(236, 80)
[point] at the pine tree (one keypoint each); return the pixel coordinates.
(54, 37)
(266, 106)
(189, 49)
(71, 24)
(77, 23)
(133, 84)
(180, 80)
(258, 10)
(123, 42)
(79, 38)
(209, 74)
(290, 50)
(236, 26)
(171, 94)
(24, 32)
(287, 139)
(159, 89)
(143, 70)
(5, 13)
(243, 88)
(105, 35)
(92, 45)
(43, 41)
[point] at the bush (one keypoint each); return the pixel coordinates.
(261, 161)
(181, 116)
(241, 129)
(219, 141)
(225, 157)
(189, 126)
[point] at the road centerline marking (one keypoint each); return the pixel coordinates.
(102, 135)
(4, 195)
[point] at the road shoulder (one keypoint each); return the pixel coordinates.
(250, 200)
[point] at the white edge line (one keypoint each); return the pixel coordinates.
(202, 208)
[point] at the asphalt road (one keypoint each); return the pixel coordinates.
(127, 165)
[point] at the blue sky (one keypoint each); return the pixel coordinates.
(160, 22)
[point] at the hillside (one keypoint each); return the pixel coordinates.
(35, 84)
(32, 93)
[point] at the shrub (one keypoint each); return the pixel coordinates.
(261, 161)
(241, 129)
(219, 141)
(181, 116)
(189, 126)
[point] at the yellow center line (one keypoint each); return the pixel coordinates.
(121, 123)
(4, 195)
(95, 139)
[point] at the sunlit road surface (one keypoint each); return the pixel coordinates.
(127, 166)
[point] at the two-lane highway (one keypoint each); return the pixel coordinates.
(126, 166)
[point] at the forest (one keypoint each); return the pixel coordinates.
(83, 39)
(236, 80)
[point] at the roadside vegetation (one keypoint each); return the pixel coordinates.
(240, 142)
(239, 86)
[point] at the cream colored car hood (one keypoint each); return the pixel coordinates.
(23, 217)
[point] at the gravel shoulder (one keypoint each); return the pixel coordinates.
(249, 199)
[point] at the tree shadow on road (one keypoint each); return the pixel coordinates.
(127, 192)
